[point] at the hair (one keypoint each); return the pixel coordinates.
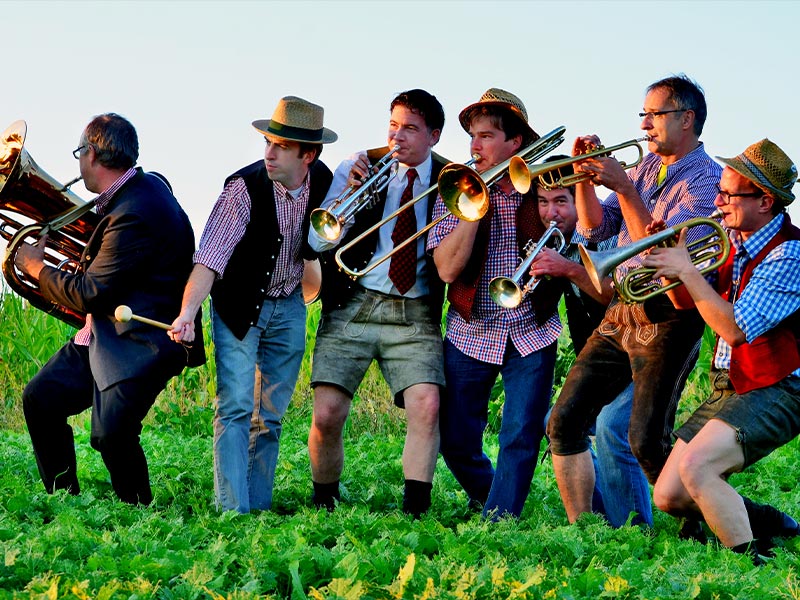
(424, 104)
(505, 121)
(685, 94)
(114, 140)
(310, 147)
(565, 171)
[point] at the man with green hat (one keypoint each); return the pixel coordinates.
(754, 310)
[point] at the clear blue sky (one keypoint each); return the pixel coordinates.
(191, 76)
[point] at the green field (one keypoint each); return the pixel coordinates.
(93, 546)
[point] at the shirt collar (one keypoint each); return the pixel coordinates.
(756, 242)
(102, 201)
(423, 170)
(286, 194)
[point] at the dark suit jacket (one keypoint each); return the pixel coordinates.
(140, 254)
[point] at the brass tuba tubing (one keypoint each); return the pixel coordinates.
(637, 285)
(475, 213)
(329, 222)
(508, 292)
(523, 174)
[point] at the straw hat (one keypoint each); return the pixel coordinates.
(767, 166)
(297, 120)
(501, 99)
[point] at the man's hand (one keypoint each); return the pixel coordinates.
(359, 171)
(182, 329)
(672, 263)
(30, 259)
(548, 262)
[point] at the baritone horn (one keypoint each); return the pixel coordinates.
(508, 292)
(638, 284)
(463, 187)
(467, 212)
(523, 174)
(33, 204)
(329, 222)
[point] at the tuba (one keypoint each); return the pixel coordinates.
(33, 204)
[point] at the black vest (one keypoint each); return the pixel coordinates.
(239, 294)
(338, 287)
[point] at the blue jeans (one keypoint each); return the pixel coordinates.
(463, 415)
(255, 381)
(621, 480)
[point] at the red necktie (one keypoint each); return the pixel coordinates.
(403, 264)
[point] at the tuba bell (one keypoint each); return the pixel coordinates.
(33, 204)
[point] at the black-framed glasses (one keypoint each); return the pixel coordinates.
(657, 113)
(726, 196)
(77, 152)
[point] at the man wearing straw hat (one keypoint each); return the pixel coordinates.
(251, 262)
(755, 404)
(484, 340)
(392, 314)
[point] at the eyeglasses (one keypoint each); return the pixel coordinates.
(657, 113)
(726, 196)
(77, 152)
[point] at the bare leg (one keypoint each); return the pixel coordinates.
(422, 436)
(325, 444)
(575, 476)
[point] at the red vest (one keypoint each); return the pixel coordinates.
(774, 355)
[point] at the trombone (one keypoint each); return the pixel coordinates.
(462, 187)
(508, 292)
(638, 284)
(329, 222)
(523, 174)
(466, 213)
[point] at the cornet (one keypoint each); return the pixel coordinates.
(468, 213)
(638, 284)
(329, 222)
(509, 292)
(523, 174)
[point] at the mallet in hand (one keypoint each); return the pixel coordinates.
(123, 314)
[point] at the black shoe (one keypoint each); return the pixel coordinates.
(790, 527)
(692, 529)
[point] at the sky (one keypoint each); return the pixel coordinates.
(192, 76)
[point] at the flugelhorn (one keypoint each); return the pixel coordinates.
(508, 292)
(463, 187)
(638, 284)
(329, 222)
(523, 174)
(468, 212)
(33, 204)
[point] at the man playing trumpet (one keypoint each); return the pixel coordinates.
(484, 340)
(755, 403)
(392, 314)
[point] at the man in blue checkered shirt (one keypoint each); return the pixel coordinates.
(755, 403)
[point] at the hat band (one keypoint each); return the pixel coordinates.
(757, 172)
(295, 133)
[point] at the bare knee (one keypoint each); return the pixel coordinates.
(422, 408)
(331, 408)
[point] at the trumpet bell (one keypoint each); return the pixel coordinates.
(505, 292)
(325, 224)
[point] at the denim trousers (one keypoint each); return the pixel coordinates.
(463, 416)
(256, 377)
(620, 480)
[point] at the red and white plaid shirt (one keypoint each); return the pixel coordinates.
(84, 336)
(485, 336)
(229, 219)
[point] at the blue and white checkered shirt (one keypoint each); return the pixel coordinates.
(688, 191)
(773, 292)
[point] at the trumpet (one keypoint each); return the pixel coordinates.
(462, 187)
(508, 292)
(329, 222)
(638, 284)
(523, 174)
(465, 213)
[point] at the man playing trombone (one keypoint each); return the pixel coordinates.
(484, 340)
(755, 403)
(392, 313)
